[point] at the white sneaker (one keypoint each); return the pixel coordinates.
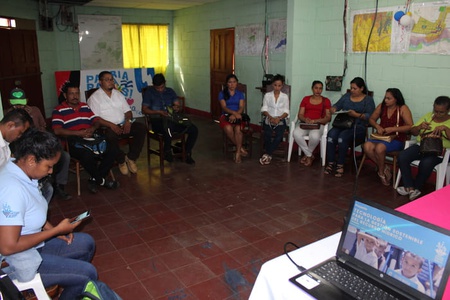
(263, 159)
(414, 194)
(269, 159)
(402, 191)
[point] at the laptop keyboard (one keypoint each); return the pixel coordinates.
(350, 283)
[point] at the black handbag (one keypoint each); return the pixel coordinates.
(343, 121)
(431, 144)
(245, 118)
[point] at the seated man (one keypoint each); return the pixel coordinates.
(18, 100)
(115, 115)
(156, 101)
(12, 126)
(75, 120)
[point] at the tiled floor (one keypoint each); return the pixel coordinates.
(203, 231)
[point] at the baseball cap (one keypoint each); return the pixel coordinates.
(17, 97)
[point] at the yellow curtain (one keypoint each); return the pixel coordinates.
(145, 46)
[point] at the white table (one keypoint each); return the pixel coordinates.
(273, 282)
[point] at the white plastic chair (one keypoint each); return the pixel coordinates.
(35, 284)
(442, 171)
(323, 142)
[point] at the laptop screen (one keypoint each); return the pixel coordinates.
(414, 254)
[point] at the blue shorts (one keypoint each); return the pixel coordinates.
(395, 145)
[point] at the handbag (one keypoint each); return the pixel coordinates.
(343, 121)
(309, 126)
(96, 144)
(245, 118)
(386, 138)
(431, 144)
(380, 137)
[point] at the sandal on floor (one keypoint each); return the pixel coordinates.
(387, 173)
(309, 161)
(237, 158)
(384, 180)
(339, 171)
(329, 168)
(303, 159)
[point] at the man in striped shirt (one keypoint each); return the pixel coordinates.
(76, 121)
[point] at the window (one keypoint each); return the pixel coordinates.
(145, 46)
(6, 22)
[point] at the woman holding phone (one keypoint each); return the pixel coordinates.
(29, 242)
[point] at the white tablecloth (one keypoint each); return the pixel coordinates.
(273, 282)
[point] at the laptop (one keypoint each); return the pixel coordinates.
(392, 253)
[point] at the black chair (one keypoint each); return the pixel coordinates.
(247, 131)
(178, 140)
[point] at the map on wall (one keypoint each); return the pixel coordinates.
(431, 30)
(249, 40)
(277, 35)
(100, 39)
(380, 40)
(428, 33)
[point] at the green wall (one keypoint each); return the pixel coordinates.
(316, 31)
(314, 50)
(59, 49)
(191, 49)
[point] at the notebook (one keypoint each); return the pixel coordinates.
(399, 254)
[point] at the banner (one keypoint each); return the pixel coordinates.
(128, 81)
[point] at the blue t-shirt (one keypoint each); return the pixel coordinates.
(22, 203)
(159, 100)
(233, 101)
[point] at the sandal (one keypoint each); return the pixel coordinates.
(387, 173)
(237, 158)
(329, 168)
(244, 152)
(384, 179)
(339, 171)
(303, 159)
(309, 160)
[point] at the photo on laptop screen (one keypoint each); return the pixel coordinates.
(406, 251)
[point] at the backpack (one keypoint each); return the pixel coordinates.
(97, 290)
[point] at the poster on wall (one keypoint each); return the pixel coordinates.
(277, 35)
(100, 39)
(427, 30)
(249, 40)
(129, 82)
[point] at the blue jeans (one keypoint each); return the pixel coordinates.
(426, 166)
(271, 144)
(68, 265)
(342, 138)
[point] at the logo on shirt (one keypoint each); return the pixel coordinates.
(8, 212)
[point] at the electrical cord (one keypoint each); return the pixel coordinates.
(368, 41)
(300, 268)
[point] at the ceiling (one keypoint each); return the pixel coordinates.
(140, 4)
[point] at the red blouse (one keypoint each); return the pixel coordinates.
(385, 121)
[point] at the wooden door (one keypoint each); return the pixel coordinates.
(221, 64)
(19, 65)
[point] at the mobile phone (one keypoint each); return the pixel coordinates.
(82, 216)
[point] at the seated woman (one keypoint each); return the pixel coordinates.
(275, 109)
(28, 241)
(395, 121)
(437, 123)
(357, 105)
(314, 109)
(232, 103)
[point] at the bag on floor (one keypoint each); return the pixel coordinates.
(97, 290)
